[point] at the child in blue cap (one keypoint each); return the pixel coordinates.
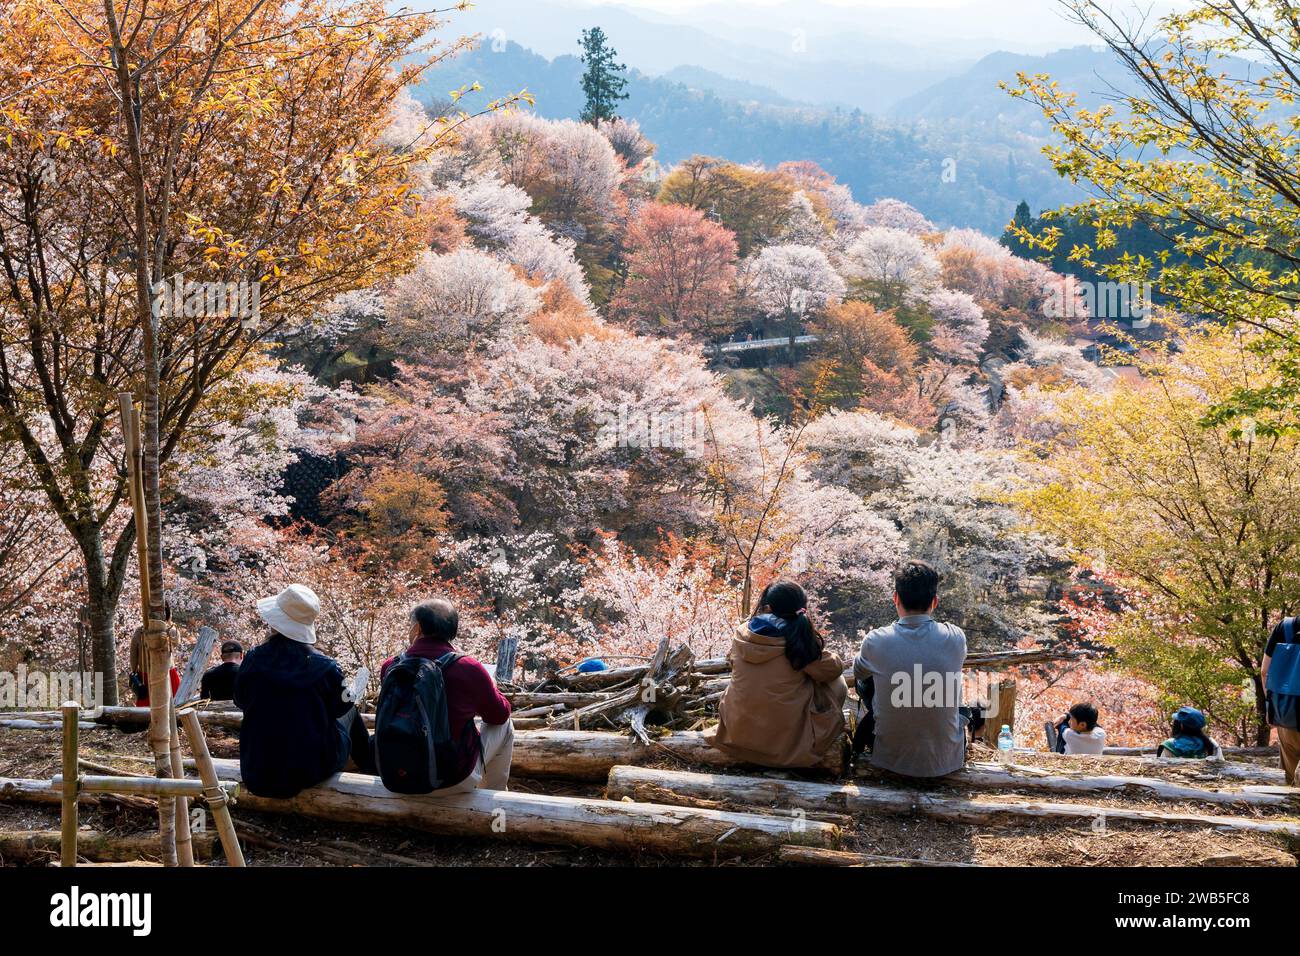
(1187, 739)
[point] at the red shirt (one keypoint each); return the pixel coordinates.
(176, 684)
(471, 691)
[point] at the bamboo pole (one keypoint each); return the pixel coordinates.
(156, 643)
(141, 786)
(216, 795)
(68, 844)
(184, 842)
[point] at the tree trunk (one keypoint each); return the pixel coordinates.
(1004, 715)
(1263, 732)
(535, 818)
(101, 606)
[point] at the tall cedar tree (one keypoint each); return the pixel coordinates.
(603, 82)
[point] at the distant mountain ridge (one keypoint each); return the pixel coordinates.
(974, 95)
(957, 173)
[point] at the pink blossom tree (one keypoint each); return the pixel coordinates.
(682, 271)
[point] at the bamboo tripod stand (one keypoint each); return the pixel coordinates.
(169, 783)
(70, 783)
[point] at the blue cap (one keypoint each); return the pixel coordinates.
(591, 665)
(1190, 717)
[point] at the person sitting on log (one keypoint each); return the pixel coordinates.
(1187, 738)
(784, 706)
(300, 722)
(219, 682)
(1078, 733)
(480, 737)
(914, 670)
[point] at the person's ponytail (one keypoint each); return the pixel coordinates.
(788, 601)
(802, 644)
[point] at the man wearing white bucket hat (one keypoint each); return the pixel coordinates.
(300, 724)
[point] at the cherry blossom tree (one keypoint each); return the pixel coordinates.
(947, 499)
(960, 326)
(627, 139)
(895, 214)
(456, 301)
(682, 271)
(569, 169)
(790, 283)
(895, 267)
(672, 593)
(498, 219)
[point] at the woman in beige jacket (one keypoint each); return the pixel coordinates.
(784, 706)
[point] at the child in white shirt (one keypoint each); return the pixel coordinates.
(1082, 735)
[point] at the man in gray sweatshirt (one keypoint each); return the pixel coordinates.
(916, 667)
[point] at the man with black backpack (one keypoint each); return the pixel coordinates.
(1280, 673)
(440, 723)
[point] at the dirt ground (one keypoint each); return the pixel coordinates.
(273, 840)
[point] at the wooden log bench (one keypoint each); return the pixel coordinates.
(673, 786)
(513, 816)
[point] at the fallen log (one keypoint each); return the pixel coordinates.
(673, 786)
(535, 818)
(1205, 770)
(22, 790)
(589, 754)
(22, 723)
(131, 717)
(37, 846)
(1227, 751)
(992, 776)
(815, 856)
(524, 699)
(1274, 776)
(721, 668)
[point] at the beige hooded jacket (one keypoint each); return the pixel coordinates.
(774, 715)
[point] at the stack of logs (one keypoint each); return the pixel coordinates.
(675, 691)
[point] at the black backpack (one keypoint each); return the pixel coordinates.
(415, 751)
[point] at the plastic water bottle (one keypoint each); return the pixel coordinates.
(1006, 743)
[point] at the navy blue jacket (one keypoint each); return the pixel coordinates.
(292, 698)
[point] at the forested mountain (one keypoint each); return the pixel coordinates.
(974, 96)
(958, 174)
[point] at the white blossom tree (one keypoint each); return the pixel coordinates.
(961, 328)
(790, 282)
(456, 301)
(896, 267)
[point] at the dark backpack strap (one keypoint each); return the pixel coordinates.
(469, 735)
(1288, 629)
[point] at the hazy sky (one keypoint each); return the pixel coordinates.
(674, 5)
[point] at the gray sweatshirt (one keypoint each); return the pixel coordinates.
(917, 666)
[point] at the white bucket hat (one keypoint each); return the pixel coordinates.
(292, 613)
